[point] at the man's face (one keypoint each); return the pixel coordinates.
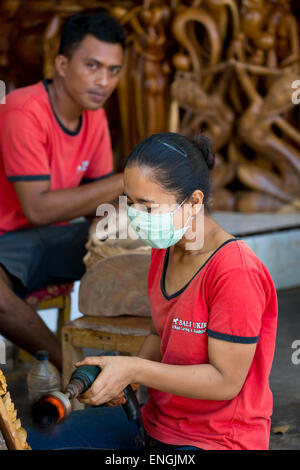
(92, 72)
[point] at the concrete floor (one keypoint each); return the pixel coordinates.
(285, 376)
(284, 379)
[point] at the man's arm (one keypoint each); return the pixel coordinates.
(42, 206)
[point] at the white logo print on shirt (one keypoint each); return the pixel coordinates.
(83, 166)
(189, 326)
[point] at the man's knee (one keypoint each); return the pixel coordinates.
(5, 278)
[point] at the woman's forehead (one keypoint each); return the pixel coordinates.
(140, 185)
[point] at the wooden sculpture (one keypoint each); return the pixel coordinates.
(198, 89)
(143, 95)
(26, 45)
(251, 80)
(203, 111)
(51, 35)
(8, 10)
(256, 123)
(283, 25)
(14, 435)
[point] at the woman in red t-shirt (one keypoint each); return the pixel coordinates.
(207, 359)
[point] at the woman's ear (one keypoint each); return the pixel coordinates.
(197, 202)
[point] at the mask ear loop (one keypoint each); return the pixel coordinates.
(191, 216)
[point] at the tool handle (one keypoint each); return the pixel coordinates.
(133, 413)
(87, 375)
(131, 407)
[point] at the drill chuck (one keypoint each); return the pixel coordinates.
(54, 408)
(82, 379)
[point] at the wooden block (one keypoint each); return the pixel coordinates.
(116, 286)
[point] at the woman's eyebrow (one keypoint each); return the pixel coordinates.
(139, 200)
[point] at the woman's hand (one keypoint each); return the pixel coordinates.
(116, 373)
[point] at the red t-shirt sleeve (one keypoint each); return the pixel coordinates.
(23, 148)
(101, 164)
(237, 302)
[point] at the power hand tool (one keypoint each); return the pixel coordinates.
(55, 407)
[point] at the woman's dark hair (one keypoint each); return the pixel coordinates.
(179, 164)
(101, 25)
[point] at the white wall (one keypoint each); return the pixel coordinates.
(50, 316)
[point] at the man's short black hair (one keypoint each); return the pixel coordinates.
(100, 25)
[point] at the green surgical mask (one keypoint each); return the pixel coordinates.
(156, 230)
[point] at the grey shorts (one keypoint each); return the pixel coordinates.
(41, 256)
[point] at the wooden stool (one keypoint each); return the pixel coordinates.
(124, 334)
(58, 297)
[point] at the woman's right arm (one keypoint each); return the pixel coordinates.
(151, 346)
(150, 349)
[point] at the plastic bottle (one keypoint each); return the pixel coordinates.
(2, 442)
(43, 377)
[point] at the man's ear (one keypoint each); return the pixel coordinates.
(61, 63)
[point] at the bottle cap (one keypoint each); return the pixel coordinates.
(42, 355)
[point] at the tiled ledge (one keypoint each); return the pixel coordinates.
(274, 238)
(252, 224)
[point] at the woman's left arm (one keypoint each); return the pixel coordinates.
(221, 379)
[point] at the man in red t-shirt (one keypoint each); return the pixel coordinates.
(55, 137)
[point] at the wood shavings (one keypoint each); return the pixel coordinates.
(280, 429)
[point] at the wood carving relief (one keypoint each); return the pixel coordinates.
(241, 98)
(15, 436)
